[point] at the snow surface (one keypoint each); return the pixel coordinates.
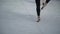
(19, 17)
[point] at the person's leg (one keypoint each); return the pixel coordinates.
(38, 9)
(47, 1)
(44, 4)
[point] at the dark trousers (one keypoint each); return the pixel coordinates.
(47, 1)
(38, 7)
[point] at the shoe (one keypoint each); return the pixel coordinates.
(42, 8)
(38, 19)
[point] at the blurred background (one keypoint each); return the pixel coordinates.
(19, 17)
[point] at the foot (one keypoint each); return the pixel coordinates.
(38, 19)
(42, 8)
(44, 4)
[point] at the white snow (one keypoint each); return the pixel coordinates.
(19, 17)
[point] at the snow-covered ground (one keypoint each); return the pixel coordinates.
(19, 17)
